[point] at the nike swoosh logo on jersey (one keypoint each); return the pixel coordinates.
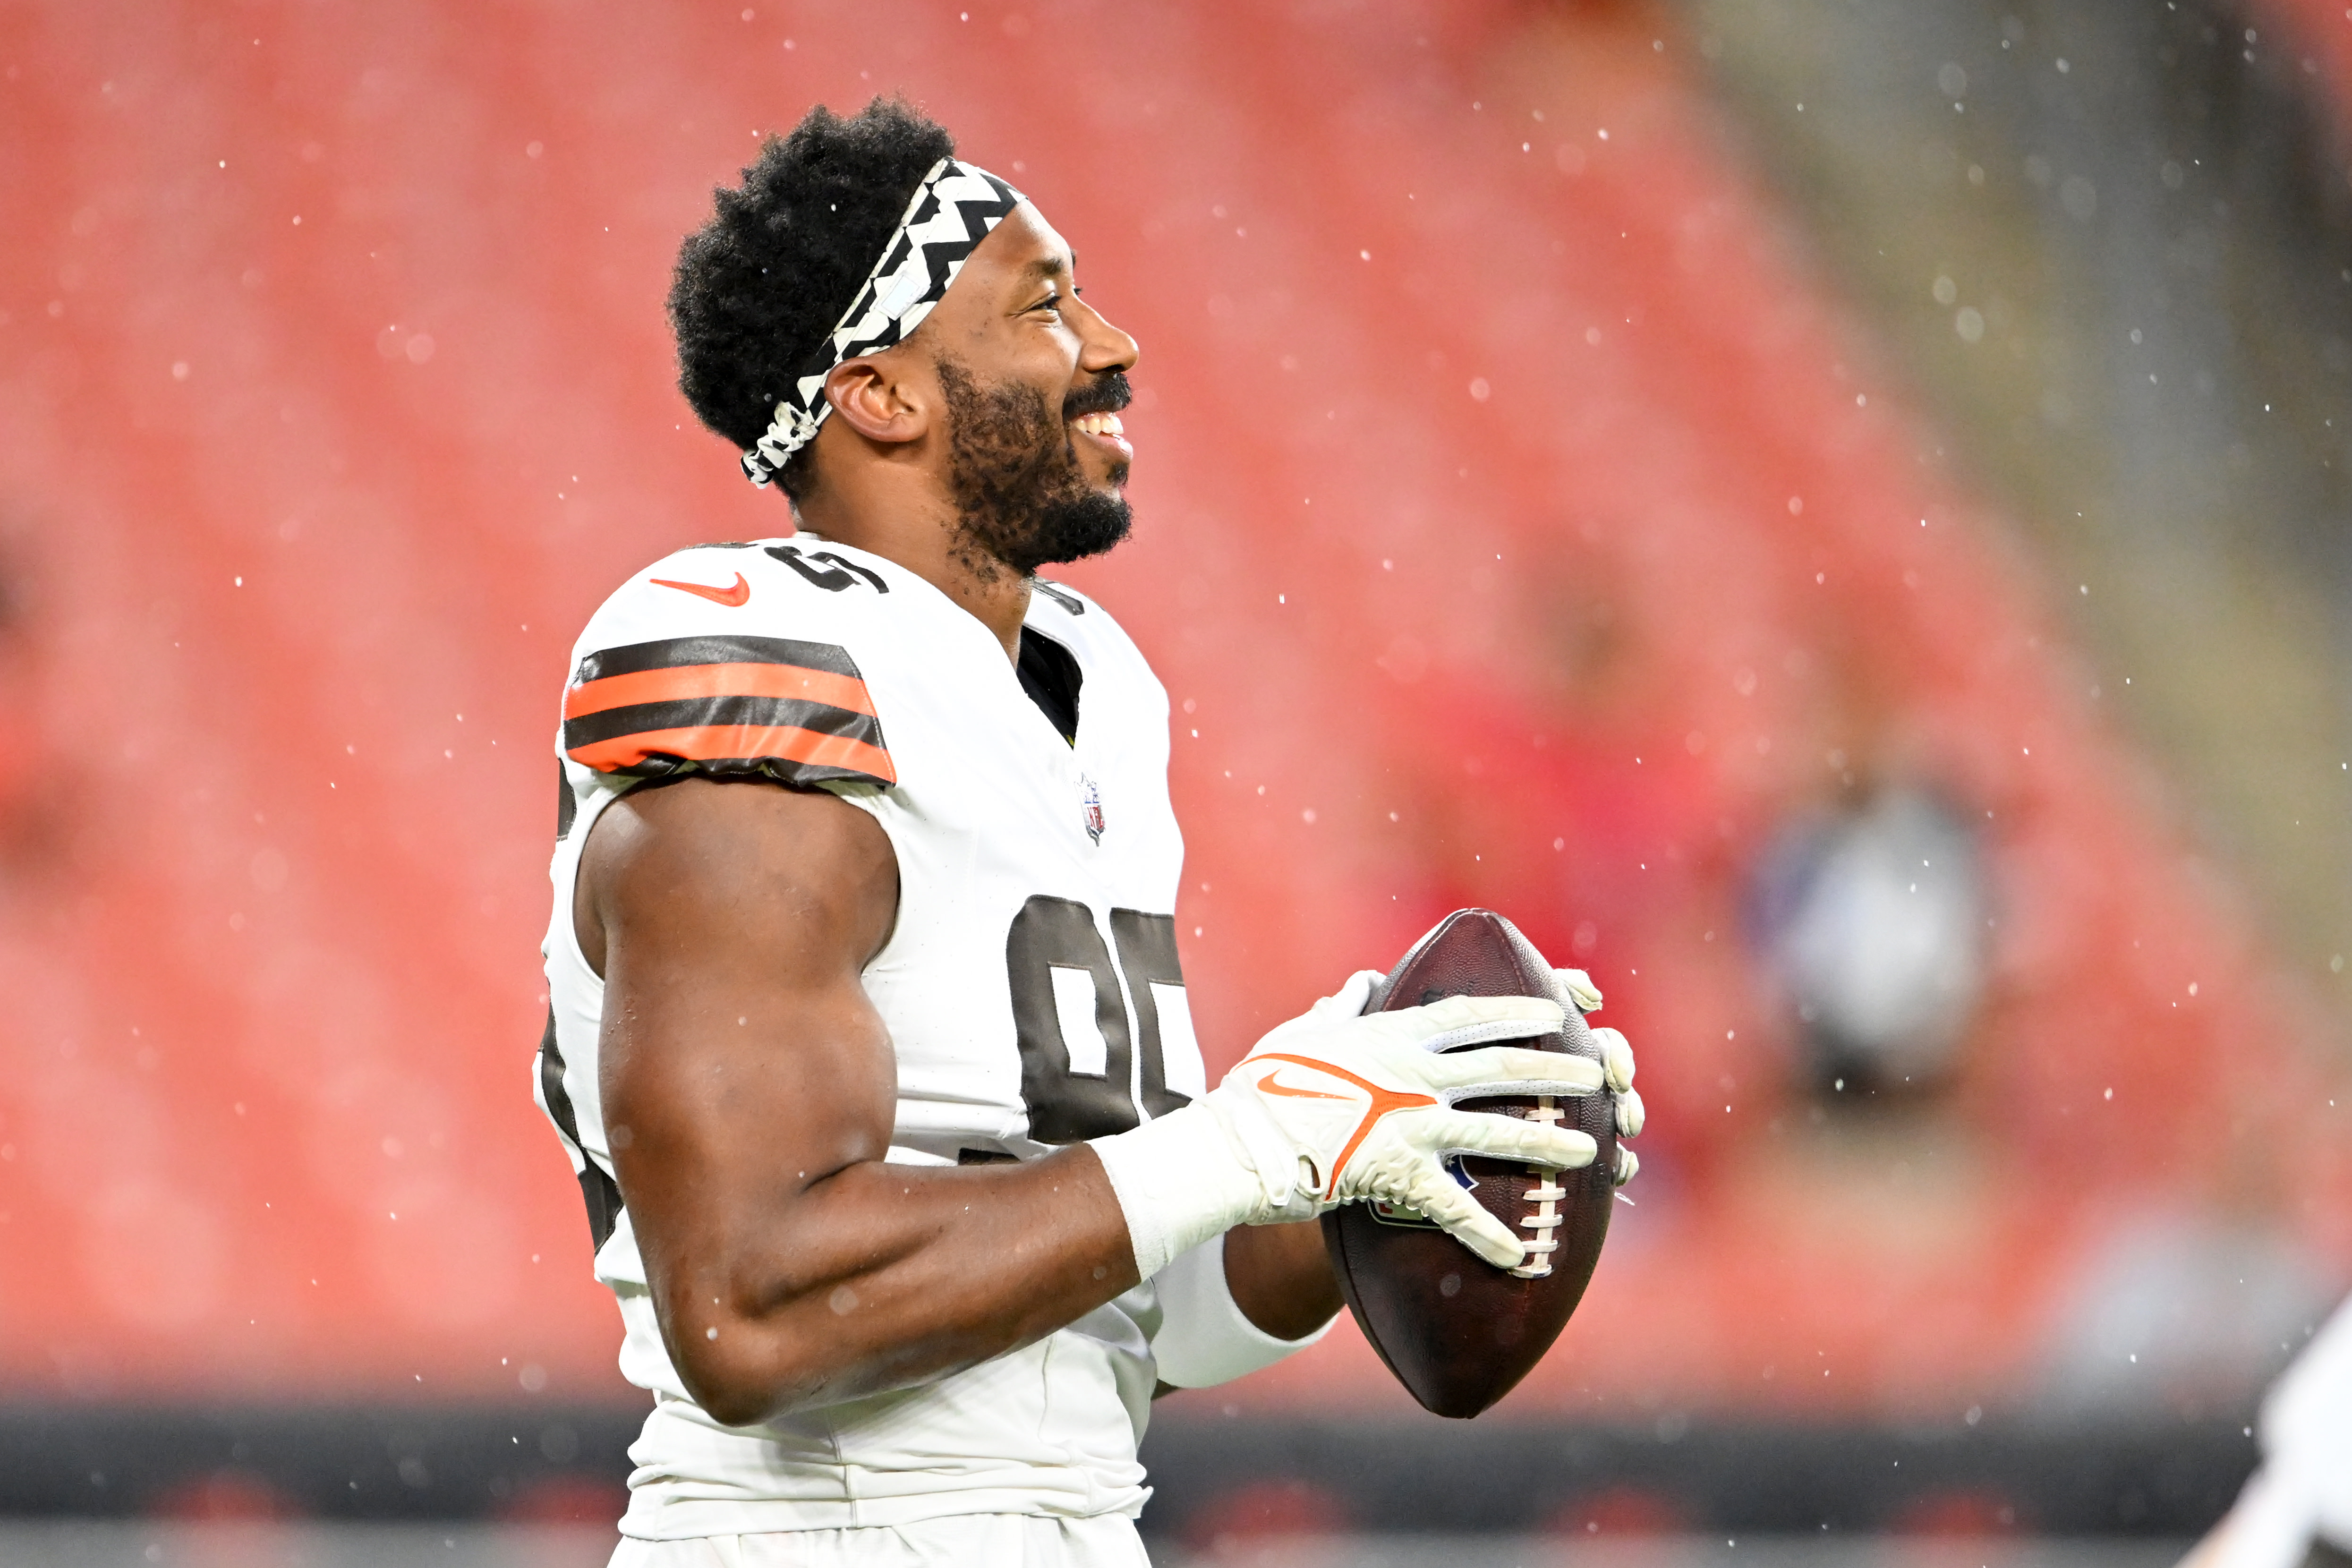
(733, 598)
(1383, 1100)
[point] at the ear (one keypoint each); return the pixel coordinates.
(877, 399)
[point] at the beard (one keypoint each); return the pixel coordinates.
(1021, 501)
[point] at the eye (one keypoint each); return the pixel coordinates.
(1050, 302)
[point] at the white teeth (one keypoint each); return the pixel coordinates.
(1099, 424)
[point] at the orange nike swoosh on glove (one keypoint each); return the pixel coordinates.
(733, 598)
(1384, 1100)
(1271, 1086)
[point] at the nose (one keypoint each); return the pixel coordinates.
(1106, 348)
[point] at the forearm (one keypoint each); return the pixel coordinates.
(1205, 1336)
(881, 1277)
(1281, 1278)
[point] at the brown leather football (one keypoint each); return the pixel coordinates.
(1459, 1333)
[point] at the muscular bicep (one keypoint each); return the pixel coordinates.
(741, 1062)
(749, 1091)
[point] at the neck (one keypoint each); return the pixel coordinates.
(899, 512)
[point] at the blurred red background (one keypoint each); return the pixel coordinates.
(1522, 521)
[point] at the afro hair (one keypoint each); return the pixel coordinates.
(760, 285)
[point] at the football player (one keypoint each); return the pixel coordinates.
(2296, 1509)
(868, 1040)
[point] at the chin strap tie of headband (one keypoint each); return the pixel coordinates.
(952, 211)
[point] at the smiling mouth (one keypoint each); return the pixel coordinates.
(1105, 428)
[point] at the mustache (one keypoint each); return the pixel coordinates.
(1104, 394)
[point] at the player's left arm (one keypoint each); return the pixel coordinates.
(1281, 1278)
(1241, 1301)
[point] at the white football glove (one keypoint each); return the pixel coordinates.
(1337, 1105)
(1341, 1104)
(1617, 1055)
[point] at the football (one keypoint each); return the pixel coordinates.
(1458, 1331)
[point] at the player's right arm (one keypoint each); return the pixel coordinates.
(748, 1088)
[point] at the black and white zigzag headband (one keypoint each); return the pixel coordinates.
(952, 211)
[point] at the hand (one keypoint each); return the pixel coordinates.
(1617, 1058)
(1338, 1105)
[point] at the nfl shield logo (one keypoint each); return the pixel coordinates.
(1091, 808)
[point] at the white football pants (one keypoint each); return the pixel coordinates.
(968, 1541)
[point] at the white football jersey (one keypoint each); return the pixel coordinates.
(1030, 987)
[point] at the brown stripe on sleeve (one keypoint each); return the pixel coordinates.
(798, 712)
(678, 684)
(814, 757)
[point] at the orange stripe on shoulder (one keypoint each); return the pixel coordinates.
(731, 742)
(686, 682)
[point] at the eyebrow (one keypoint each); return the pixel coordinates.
(1051, 266)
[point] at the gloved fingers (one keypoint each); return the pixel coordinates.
(1618, 1054)
(1353, 993)
(1628, 1113)
(1499, 1137)
(1302, 1204)
(1473, 1020)
(1629, 1165)
(1508, 1070)
(1580, 989)
(1446, 1204)
(1261, 1143)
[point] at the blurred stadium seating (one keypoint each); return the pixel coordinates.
(1548, 500)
